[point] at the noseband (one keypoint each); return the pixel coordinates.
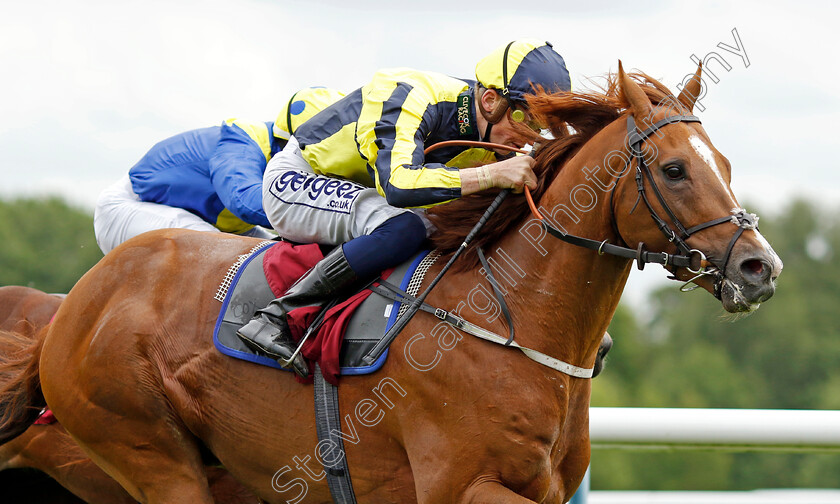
(692, 259)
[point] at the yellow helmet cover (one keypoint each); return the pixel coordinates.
(515, 68)
(301, 107)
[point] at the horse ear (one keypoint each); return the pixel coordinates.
(692, 90)
(638, 100)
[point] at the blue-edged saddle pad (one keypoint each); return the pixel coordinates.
(245, 290)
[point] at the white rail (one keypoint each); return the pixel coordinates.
(745, 497)
(720, 429)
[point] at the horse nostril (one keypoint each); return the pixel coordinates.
(755, 269)
(754, 266)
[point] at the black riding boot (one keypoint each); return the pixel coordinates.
(268, 332)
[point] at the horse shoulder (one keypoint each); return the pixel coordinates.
(476, 414)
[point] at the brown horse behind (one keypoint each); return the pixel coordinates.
(449, 418)
(23, 313)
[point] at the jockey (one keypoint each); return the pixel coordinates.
(355, 175)
(207, 179)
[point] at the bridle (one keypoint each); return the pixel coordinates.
(693, 260)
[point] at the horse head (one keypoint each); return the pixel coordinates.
(665, 196)
(680, 201)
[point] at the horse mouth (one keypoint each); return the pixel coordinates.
(735, 300)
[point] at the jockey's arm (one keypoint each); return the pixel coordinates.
(394, 147)
(237, 166)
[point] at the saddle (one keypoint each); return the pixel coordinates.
(342, 335)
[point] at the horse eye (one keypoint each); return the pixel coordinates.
(674, 172)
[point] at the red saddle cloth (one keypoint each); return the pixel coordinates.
(283, 264)
(46, 418)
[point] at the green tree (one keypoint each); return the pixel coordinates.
(45, 243)
(785, 355)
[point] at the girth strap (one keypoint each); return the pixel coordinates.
(328, 426)
(393, 292)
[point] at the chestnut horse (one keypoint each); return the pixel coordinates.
(448, 418)
(47, 447)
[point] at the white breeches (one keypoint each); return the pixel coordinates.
(120, 215)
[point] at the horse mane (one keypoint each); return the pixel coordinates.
(573, 118)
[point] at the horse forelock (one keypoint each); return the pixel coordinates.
(573, 118)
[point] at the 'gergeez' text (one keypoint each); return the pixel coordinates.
(316, 185)
(321, 192)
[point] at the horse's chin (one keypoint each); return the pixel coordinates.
(733, 299)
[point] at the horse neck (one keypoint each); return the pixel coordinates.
(563, 296)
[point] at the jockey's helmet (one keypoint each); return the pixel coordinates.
(517, 68)
(301, 107)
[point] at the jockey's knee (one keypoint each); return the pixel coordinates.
(405, 231)
(392, 242)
